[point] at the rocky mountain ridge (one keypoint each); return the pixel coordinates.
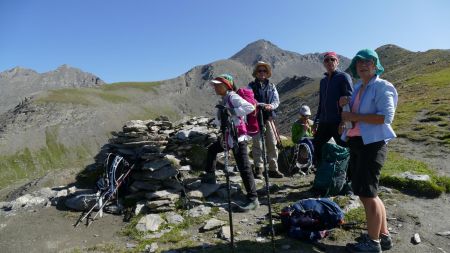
(18, 83)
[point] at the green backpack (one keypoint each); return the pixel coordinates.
(332, 172)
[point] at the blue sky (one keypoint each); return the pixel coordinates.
(140, 40)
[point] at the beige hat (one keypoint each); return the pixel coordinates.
(266, 65)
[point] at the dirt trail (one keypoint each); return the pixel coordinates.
(51, 230)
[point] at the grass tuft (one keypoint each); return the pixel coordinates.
(397, 164)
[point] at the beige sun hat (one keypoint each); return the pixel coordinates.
(266, 65)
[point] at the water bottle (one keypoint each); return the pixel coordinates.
(348, 124)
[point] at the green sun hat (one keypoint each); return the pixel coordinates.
(366, 54)
(226, 79)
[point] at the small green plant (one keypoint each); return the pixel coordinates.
(356, 215)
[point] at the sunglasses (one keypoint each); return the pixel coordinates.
(330, 59)
(261, 71)
(365, 62)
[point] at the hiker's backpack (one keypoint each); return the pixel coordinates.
(251, 126)
(115, 169)
(332, 171)
(302, 156)
(309, 219)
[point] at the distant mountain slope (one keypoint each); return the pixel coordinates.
(66, 127)
(423, 82)
(18, 83)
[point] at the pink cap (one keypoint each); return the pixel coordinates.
(330, 54)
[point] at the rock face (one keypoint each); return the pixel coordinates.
(19, 83)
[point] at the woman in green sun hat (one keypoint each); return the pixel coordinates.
(373, 105)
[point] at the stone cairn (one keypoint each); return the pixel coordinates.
(164, 155)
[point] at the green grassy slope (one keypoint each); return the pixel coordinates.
(423, 83)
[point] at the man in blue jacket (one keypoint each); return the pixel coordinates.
(334, 86)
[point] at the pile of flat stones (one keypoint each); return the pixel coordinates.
(167, 160)
(164, 156)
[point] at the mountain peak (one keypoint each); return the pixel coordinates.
(17, 72)
(261, 50)
(64, 66)
(262, 43)
(391, 48)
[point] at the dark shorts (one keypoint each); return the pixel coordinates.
(365, 166)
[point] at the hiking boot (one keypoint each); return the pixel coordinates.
(385, 240)
(275, 174)
(365, 246)
(258, 173)
(251, 205)
(209, 178)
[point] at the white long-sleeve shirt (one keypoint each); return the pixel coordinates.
(241, 108)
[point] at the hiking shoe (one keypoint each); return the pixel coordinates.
(366, 246)
(385, 240)
(275, 174)
(258, 173)
(251, 205)
(209, 178)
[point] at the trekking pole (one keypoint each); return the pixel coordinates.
(266, 175)
(119, 183)
(100, 203)
(90, 210)
(283, 153)
(225, 120)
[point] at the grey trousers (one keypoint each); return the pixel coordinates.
(271, 149)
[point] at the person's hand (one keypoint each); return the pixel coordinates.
(314, 128)
(344, 100)
(341, 127)
(349, 116)
(268, 107)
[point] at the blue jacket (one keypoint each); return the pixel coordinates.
(340, 84)
(380, 97)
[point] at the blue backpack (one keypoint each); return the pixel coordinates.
(309, 219)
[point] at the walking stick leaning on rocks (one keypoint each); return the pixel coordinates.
(262, 130)
(105, 197)
(226, 123)
(283, 151)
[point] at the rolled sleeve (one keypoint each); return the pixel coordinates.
(387, 103)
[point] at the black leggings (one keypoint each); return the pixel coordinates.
(243, 163)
